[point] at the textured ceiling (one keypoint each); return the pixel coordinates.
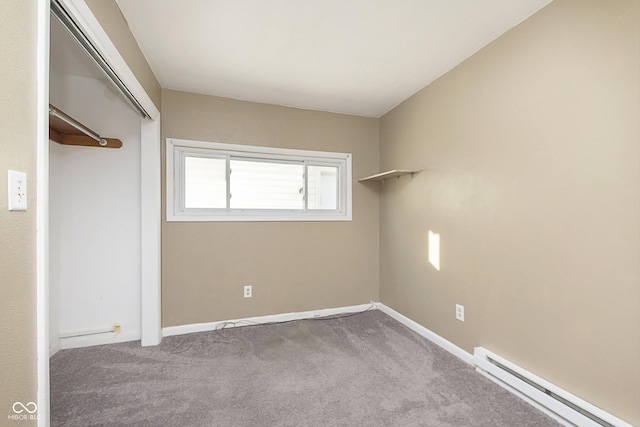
(350, 56)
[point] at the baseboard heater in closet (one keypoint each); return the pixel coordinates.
(115, 329)
(566, 408)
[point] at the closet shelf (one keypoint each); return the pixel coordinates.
(395, 173)
(66, 130)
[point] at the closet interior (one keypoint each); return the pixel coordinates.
(94, 202)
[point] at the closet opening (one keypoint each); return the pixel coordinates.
(77, 197)
(94, 201)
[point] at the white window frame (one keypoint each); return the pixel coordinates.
(176, 149)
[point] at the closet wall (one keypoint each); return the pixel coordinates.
(94, 212)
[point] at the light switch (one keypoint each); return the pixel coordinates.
(17, 191)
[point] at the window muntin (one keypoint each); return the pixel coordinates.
(228, 182)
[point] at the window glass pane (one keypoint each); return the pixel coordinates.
(322, 187)
(266, 185)
(205, 183)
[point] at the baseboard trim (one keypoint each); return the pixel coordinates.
(428, 334)
(54, 347)
(285, 317)
(92, 340)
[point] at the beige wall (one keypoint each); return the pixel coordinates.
(293, 266)
(110, 17)
(18, 370)
(531, 152)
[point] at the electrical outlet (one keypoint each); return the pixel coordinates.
(248, 291)
(460, 312)
(117, 328)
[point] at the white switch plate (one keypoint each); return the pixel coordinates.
(17, 191)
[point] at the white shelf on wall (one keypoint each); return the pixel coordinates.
(383, 176)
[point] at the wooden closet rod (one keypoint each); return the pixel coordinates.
(63, 135)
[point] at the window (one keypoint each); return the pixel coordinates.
(209, 181)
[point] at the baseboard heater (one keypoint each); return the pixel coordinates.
(115, 329)
(561, 405)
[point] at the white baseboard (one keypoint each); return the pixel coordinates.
(99, 339)
(54, 347)
(430, 335)
(212, 326)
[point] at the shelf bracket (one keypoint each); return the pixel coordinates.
(395, 173)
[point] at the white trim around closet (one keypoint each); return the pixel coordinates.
(42, 211)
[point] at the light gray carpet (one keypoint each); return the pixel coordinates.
(363, 370)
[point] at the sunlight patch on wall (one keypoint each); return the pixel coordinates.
(434, 249)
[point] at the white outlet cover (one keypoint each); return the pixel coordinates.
(17, 190)
(460, 312)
